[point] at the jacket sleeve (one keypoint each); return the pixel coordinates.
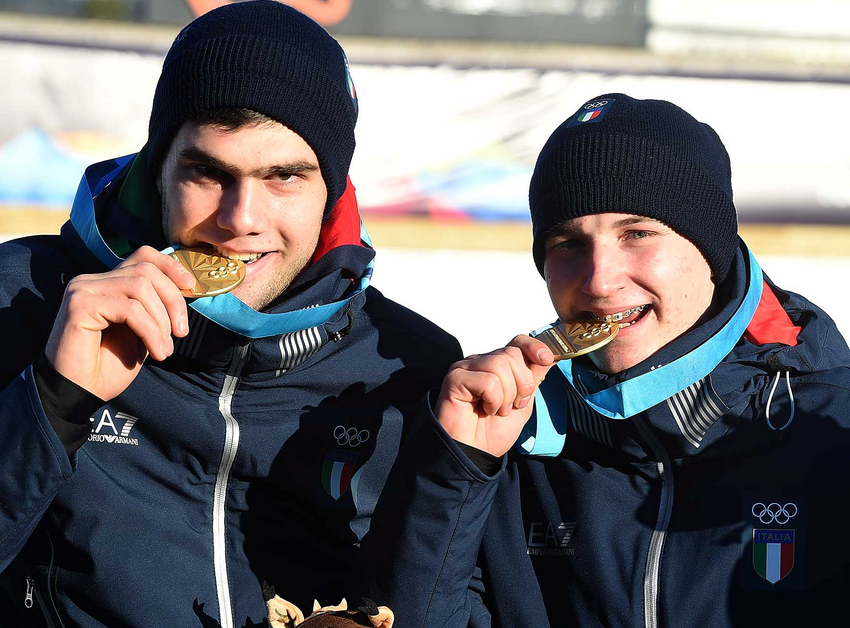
(34, 464)
(420, 554)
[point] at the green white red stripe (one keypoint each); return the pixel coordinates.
(351, 91)
(589, 115)
(337, 471)
(773, 553)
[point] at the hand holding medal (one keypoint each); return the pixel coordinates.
(486, 399)
(109, 323)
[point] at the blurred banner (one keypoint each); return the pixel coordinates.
(604, 22)
(444, 141)
(438, 140)
(599, 22)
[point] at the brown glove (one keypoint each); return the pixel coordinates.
(283, 614)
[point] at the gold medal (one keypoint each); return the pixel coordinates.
(214, 274)
(570, 340)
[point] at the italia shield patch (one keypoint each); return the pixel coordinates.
(773, 553)
(592, 111)
(337, 471)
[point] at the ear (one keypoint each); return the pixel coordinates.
(283, 614)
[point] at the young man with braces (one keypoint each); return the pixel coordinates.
(687, 473)
(162, 459)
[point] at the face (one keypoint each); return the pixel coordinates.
(255, 194)
(632, 270)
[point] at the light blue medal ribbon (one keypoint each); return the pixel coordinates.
(545, 434)
(224, 309)
(82, 212)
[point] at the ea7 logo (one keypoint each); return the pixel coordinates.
(104, 429)
(547, 539)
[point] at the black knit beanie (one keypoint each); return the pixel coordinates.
(267, 57)
(643, 157)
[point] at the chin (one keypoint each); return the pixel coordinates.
(260, 295)
(617, 360)
(253, 300)
(246, 297)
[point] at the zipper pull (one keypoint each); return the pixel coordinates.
(30, 589)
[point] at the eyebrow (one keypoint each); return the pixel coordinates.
(566, 229)
(298, 166)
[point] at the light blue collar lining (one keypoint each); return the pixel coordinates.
(545, 434)
(224, 309)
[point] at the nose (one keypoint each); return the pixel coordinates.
(603, 271)
(241, 209)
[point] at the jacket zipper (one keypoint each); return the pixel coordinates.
(32, 595)
(30, 590)
(659, 533)
(231, 446)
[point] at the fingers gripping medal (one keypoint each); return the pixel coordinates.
(570, 340)
(214, 274)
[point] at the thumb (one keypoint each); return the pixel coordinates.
(540, 371)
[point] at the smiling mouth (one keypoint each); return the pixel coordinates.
(617, 317)
(248, 258)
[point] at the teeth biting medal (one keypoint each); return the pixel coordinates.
(570, 340)
(214, 274)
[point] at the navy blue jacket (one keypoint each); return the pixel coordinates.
(233, 462)
(692, 513)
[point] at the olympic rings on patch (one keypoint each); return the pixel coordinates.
(774, 512)
(595, 105)
(351, 436)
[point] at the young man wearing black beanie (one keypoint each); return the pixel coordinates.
(163, 457)
(683, 474)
